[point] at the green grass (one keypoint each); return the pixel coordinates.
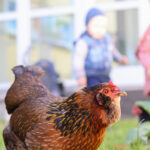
(115, 138)
(2, 125)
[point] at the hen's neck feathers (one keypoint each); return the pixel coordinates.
(76, 115)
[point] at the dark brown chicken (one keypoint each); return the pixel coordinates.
(43, 121)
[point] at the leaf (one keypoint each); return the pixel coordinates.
(148, 135)
(145, 105)
(142, 133)
(144, 129)
(132, 136)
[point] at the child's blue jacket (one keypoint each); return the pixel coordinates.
(99, 56)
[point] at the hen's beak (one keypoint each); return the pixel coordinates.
(122, 93)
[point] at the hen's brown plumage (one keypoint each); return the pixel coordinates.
(42, 120)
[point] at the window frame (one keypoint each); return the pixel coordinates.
(24, 14)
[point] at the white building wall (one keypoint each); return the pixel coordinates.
(24, 14)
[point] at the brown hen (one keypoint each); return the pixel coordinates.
(43, 121)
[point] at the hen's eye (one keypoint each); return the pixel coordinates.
(105, 91)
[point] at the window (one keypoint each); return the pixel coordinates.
(52, 25)
(53, 28)
(123, 26)
(128, 33)
(49, 3)
(7, 5)
(52, 39)
(105, 1)
(99, 1)
(7, 50)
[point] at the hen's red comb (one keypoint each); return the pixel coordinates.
(114, 86)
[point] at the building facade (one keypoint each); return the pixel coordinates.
(31, 30)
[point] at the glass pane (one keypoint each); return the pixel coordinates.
(123, 26)
(105, 1)
(49, 3)
(52, 39)
(99, 1)
(7, 50)
(7, 5)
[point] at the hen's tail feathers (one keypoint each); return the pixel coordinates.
(27, 84)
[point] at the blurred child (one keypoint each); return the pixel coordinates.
(143, 54)
(94, 51)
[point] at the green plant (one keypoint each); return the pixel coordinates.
(144, 104)
(2, 125)
(139, 138)
(115, 138)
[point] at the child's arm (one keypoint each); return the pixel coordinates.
(116, 54)
(79, 62)
(118, 57)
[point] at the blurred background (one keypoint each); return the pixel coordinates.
(31, 30)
